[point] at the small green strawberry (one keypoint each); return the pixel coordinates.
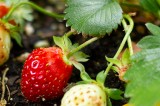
(85, 95)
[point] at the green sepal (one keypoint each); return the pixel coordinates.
(85, 77)
(109, 103)
(80, 56)
(115, 93)
(155, 30)
(126, 57)
(63, 42)
(114, 68)
(101, 77)
(78, 66)
(81, 82)
(66, 45)
(17, 37)
(14, 32)
(114, 61)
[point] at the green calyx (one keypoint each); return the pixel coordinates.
(66, 45)
(121, 65)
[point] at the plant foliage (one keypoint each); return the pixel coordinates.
(93, 17)
(152, 6)
(143, 77)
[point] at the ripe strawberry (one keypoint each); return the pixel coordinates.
(3, 10)
(84, 95)
(45, 74)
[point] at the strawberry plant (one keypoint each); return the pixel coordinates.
(47, 72)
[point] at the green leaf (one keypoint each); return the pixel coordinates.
(144, 78)
(93, 17)
(144, 75)
(158, 1)
(151, 6)
(152, 41)
(22, 13)
(155, 30)
(115, 94)
(149, 42)
(101, 77)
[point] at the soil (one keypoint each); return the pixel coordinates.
(44, 28)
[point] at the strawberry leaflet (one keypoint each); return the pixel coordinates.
(93, 17)
(145, 65)
(22, 13)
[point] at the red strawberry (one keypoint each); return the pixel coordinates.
(45, 74)
(3, 10)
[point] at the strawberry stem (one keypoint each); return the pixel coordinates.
(81, 46)
(52, 14)
(128, 31)
(129, 41)
(68, 34)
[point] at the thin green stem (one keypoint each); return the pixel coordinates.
(68, 34)
(82, 46)
(129, 30)
(51, 14)
(129, 41)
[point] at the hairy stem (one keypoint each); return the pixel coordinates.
(68, 34)
(82, 46)
(129, 30)
(51, 14)
(129, 41)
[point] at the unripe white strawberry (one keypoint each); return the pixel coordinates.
(5, 44)
(84, 95)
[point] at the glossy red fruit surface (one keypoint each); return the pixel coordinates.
(45, 74)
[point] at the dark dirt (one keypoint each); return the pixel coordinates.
(45, 27)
